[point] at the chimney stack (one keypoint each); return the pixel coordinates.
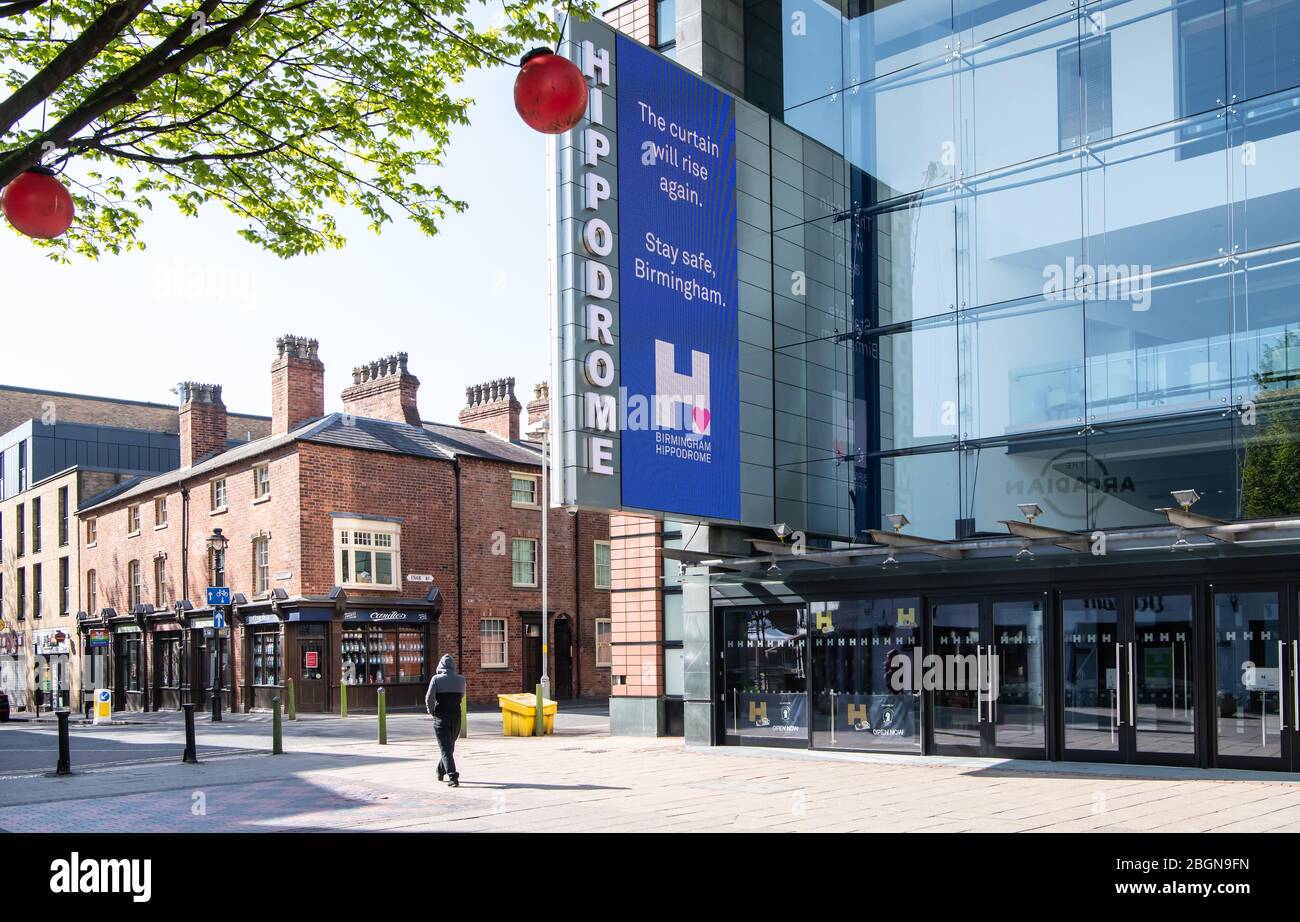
(384, 389)
(297, 383)
(539, 410)
(492, 407)
(202, 421)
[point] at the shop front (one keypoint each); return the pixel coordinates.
(389, 648)
(52, 651)
(13, 667)
(209, 649)
(263, 674)
(1193, 663)
(169, 675)
(129, 669)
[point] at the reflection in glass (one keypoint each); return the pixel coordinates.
(1018, 708)
(1164, 674)
(856, 704)
(1247, 674)
(918, 384)
(898, 129)
(1265, 139)
(924, 487)
(956, 627)
(765, 677)
(913, 249)
(1090, 673)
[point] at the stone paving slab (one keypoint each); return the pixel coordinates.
(595, 782)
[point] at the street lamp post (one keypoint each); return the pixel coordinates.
(217, 544)
(546, 502)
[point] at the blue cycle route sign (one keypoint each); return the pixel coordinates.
(218, 595)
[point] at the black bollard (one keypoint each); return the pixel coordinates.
(191, 756)
(65, 755)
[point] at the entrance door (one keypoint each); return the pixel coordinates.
(563, 686)
(1256, 681)
(312, 687)
(532, 655)
(988, 683)
(1129, 677)
(763, 677)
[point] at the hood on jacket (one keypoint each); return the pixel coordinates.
(446, 665)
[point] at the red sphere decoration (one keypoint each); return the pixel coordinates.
(550, 92)
(37, 204)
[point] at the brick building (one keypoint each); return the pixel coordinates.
(359, 546)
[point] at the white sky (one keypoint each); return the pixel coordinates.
(202, 304)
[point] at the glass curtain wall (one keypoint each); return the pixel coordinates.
(1066, 267)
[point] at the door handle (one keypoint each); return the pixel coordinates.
(979, 671)
(1281, 683)
(1295, 681)
(1132, 688)
(1119, 713)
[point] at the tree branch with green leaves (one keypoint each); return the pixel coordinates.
(285, 112)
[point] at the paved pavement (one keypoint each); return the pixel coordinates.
(334, 776)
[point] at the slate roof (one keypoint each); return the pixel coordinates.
(435, 441)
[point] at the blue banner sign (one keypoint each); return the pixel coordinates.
(678, 345)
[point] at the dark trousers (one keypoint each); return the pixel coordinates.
(446, 730)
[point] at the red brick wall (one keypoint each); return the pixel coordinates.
(635, 18)
(310, 481)
(203, 430)
(297, 392)
(18, 406)
(637, 611)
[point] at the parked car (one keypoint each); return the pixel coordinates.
(4, 707)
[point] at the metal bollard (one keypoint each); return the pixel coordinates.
(65, 755)
(191, 754)
(383, 717)
(464, 715)
(539, 728)
(293, 702)
(343, 700)
(277, 740)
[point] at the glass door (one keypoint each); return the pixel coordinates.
(1256, 698)
(764, 687)
(1017, 706)
(987, 683)
(1090, 667)
(957, 706)
(1129, 677)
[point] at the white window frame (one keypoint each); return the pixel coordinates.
(609, 645)
(595, 564)
(261, 564)
(348, 528)
(513, 543)
(134, 584)
(159, 505)
(92, 591)
(505, 644)
(537, 490)
(133, 520)
(218, 485)
(160, 581)
(259, 480)
(92, 531)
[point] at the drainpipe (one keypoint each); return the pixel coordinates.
(455, 466)
(187, 651)
(577, 603)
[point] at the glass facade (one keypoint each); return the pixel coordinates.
(1050, 256)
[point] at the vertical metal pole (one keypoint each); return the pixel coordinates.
(383, 718)
(191, 755)
(464, 715)
(546, 636)
(216, 674)
(343, 699)
(293, 702)
(65, 756)
(277, 729)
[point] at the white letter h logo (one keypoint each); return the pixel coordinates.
(672, 389)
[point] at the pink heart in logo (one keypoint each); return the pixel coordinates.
(701, 417)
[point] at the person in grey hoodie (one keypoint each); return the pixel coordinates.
(442, 701)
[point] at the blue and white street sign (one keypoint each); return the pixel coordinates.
(218, 618)
(218, 595)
